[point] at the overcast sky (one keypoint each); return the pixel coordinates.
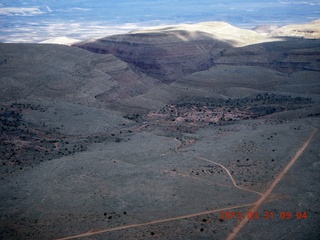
(35, 20)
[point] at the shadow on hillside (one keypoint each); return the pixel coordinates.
(163, 55)
(170, 55)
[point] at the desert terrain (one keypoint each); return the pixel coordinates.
(193, 131)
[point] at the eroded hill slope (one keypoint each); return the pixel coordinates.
(171, 52)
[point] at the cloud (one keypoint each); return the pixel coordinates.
(89, 21)
(12, 11)
(37, 32)
(311, 3)
(74, 9)
(48, 9)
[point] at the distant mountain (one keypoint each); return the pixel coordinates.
(217, 30)
(61, 40)
(265, 29)
(309, 30)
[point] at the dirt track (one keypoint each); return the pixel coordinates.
(273, 185)
(232, 179)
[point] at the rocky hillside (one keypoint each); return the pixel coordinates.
(171, 52)
(309, 30)
(68, 74)
(284, 55)
(164, 54)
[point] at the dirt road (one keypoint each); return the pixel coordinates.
(255, 207)
(90, 233)
(232, 179)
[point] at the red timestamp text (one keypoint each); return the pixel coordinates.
(225, 215)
